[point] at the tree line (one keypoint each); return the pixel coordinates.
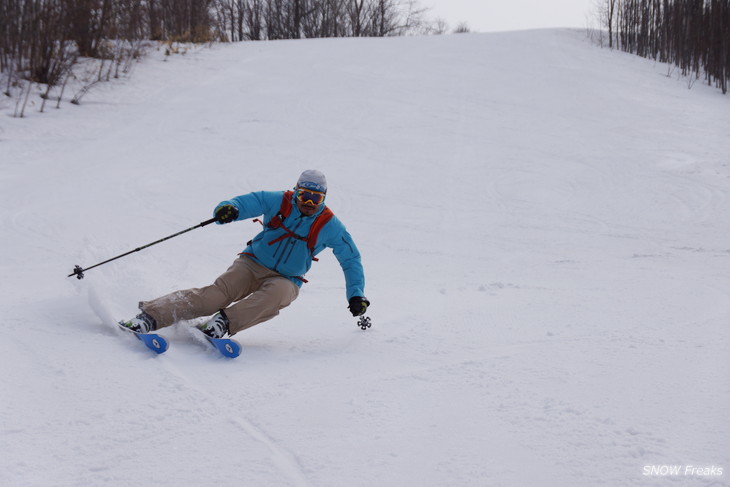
(693, 35)
(240, 20)
(41, 41)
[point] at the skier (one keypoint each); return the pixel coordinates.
(267, 275)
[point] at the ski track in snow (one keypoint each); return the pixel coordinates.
(284, 460)
(544, 232)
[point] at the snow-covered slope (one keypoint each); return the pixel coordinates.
(544, 227)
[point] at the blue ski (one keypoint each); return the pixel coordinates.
(153, 341)
(226, 346)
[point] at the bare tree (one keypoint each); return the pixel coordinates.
(439, 26)
(610, 10)
(462, 28)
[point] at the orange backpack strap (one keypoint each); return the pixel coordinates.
(284, 210)
(321, 220)
(278, 220)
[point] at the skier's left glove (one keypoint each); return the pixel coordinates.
(226, 214)
(358, 305)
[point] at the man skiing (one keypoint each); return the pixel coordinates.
(267, 275)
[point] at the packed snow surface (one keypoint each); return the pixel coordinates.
(545, 231)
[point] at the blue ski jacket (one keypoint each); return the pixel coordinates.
(290, 257)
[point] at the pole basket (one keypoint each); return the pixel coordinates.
(363, 322)
(78, 272)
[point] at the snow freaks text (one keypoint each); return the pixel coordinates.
(682, 471)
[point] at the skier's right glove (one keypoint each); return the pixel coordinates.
(225, 214)
(358, 305)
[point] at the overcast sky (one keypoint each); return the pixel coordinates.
(497, 15)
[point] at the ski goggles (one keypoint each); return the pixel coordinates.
(309, 196)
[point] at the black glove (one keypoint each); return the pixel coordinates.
(226, 213)
(358, 305)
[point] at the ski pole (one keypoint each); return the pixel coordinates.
(79, 272)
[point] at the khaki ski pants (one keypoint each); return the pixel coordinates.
(248, 292)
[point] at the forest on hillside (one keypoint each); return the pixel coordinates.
(42, 41)
(693, 35)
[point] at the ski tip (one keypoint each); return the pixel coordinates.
(226, 346)
(153, 341)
